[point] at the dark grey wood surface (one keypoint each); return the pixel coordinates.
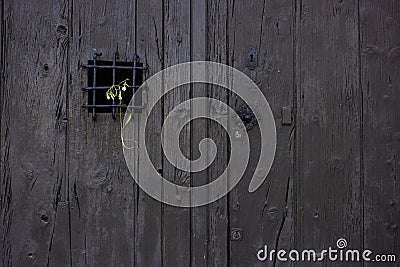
(102, 197)
(34, 199)
(262, 214)
(331, 67)
(380, 68)
(150, 47)
(328, 163)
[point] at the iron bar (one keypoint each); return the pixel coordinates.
(104, 88)
(113, 82)
(137, 105)
(94, 84)
(114, 67)
(113, 106)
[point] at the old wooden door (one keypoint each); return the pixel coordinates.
(329, 70)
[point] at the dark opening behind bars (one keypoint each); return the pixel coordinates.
(102, 74)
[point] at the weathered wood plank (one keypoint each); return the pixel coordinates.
(380, 68)
(265, 26)
(150, 23)
(80, 207)
(176, 220)
(2, 39)
(103, 194)
(5, 178)
(33, 134)
(217, 223)
(199, 130)
(328, 125)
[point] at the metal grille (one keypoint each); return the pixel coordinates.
(103, 74)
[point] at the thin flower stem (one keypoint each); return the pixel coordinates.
(116, 91)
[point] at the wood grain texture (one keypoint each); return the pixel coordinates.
(218, 221)
(33, 182)
(329, 203)
(176, 221)
(150, 40)
(265, 26)
(5, 178)
(2, 39)
(102, 192)
(67, 197)
(380, 68)
(199, 130)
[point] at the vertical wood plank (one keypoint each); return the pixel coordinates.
(217, 223)
(150, 29)
(2, 38)
(103, 194)
(262, 215)
(199, 130)
(33, 133)
(380, 68)
(176, 221)
(328, 140)
(5, 178)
